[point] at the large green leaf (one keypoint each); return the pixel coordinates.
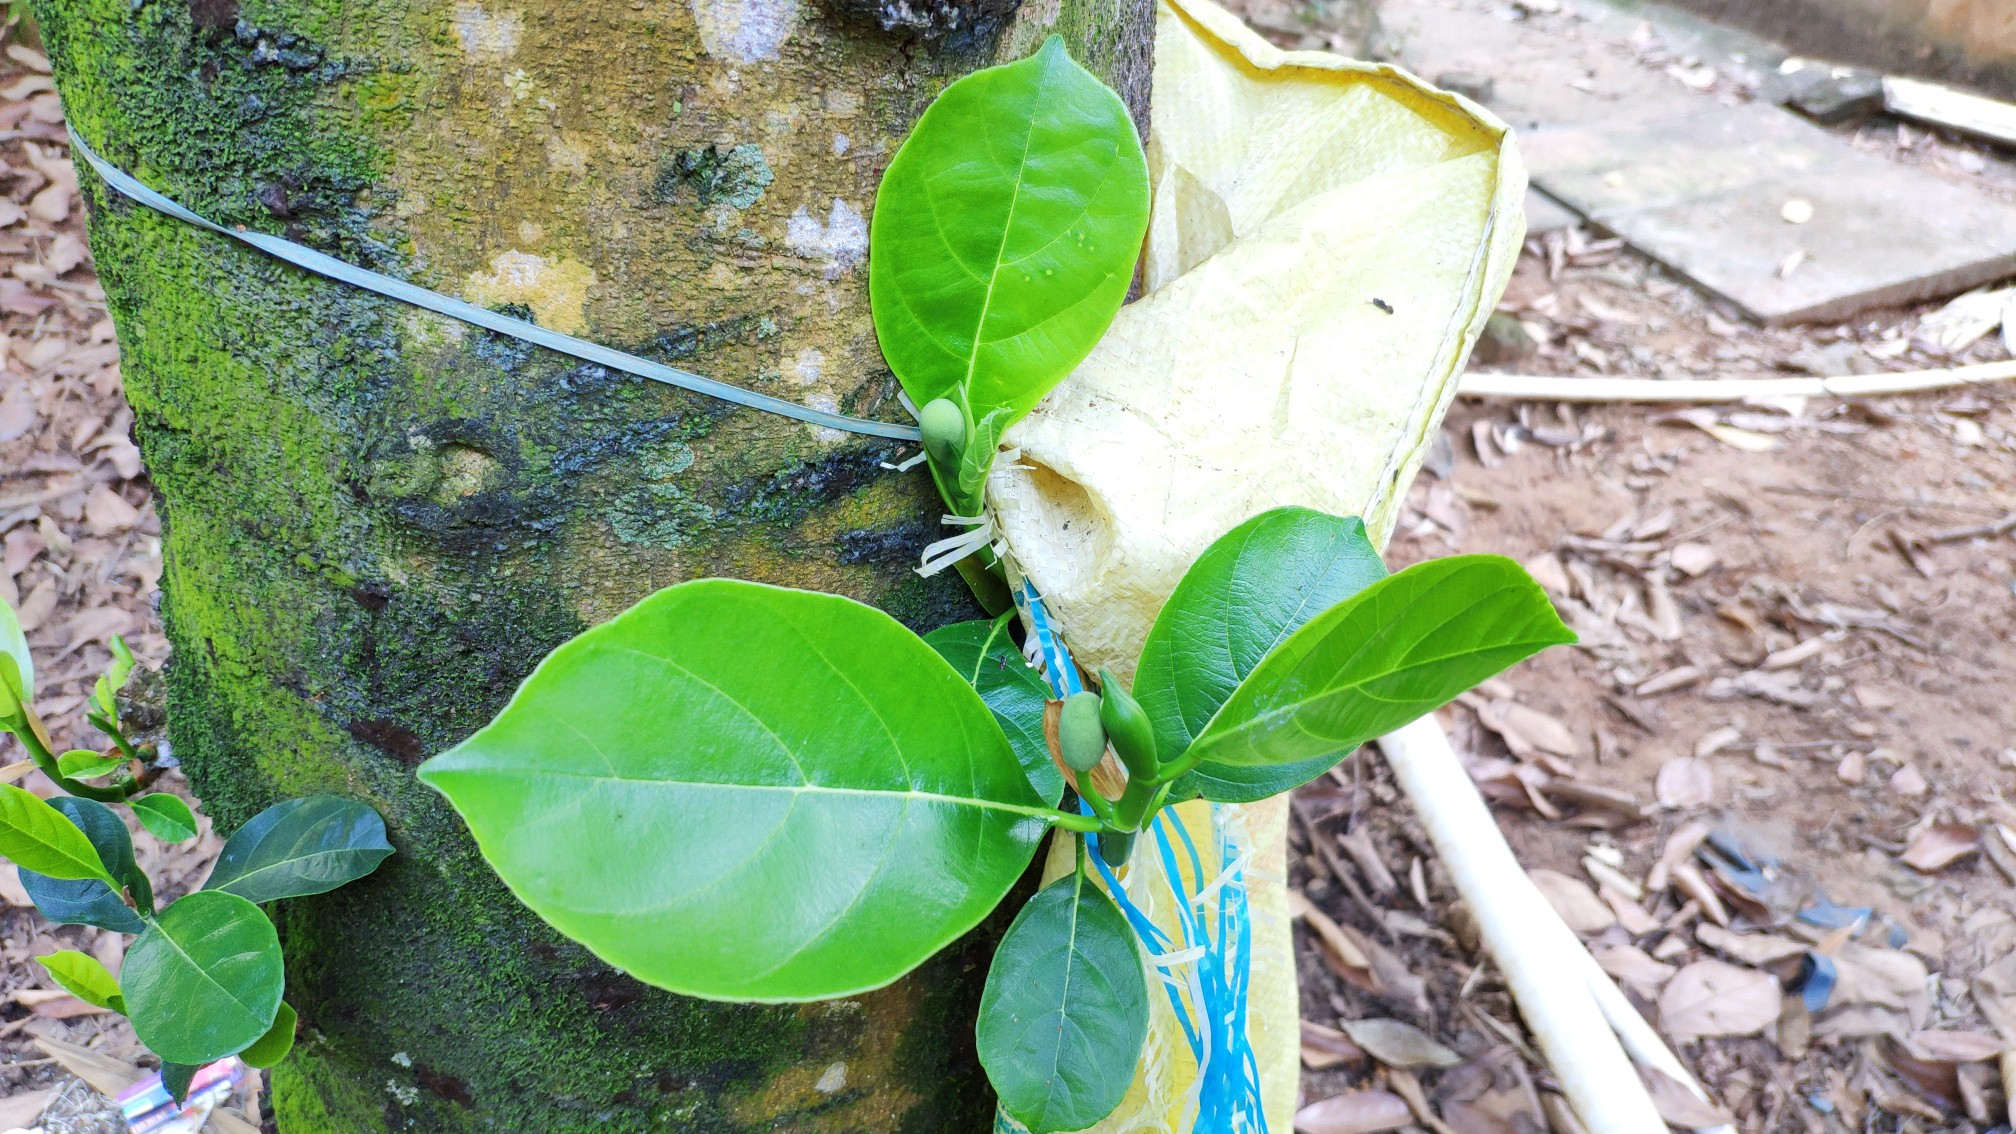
(1065, 1010)
(1248, 591)
(747, 793)
(83, 977)
(38, 837)
(14, 645)
(986, 657)
(1394, 651)
(1005, 233)
(205, 980)
(90, 901)
(300, 847)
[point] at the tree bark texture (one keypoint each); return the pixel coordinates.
(377, 520)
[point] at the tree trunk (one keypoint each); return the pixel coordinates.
(377, 519)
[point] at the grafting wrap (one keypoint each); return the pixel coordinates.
(1191, 918)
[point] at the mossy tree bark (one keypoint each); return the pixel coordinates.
(377, 520)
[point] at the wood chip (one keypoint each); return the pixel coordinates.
(1749, 948)
(1694, 559)
(1680, 846)
(1685, 783)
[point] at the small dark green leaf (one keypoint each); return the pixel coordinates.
(175, 1079)
(986, 657)
(1005, 234)
(90, 901)
(165, 816)
(83, 977)
(300, 847)
(38, 837)
(1397, 649)
(205, 980)
(84, 764)
(748, 793)
(273, 1047)
(1065, 1011)
(105, 694)
(80, 902)
(19, 673)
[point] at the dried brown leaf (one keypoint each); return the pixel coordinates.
(1356, 1112)
(1715, 998)
(1399, 1044)
(1634, 966)
(1678, 1105)
(1577, 904)
(1940, 846)
(21, 1111)
(1956, 1047)
(1327, 1047)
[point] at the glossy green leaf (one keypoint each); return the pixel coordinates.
(17, 669)
(165, 816)
(1005, 233)
(205, 980)
(988, 659)
(83, 977)
(273, 1047)
(84, 764)
(1065, 1010)
(38, 837)
(747, 793)
(1397, 649)
(1248, 591)
(300, 847)
(176, 1078)
(90, 901)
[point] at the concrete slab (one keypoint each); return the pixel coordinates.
(1544, 214)
(1699, 180)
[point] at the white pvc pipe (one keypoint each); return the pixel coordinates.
(1533, 948)
(1599, 389)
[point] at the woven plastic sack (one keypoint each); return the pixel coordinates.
(1327, 241)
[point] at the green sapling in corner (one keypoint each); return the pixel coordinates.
(204, 975)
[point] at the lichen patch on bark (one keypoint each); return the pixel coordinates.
(555, 290)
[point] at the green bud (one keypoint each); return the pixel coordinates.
(1081, 739)
(943, 425)
(1127, 727)
(1116, 846)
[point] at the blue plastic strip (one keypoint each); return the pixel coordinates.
(322, 264)
(1228, 1070)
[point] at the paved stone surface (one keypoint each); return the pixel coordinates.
(1700, 181)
